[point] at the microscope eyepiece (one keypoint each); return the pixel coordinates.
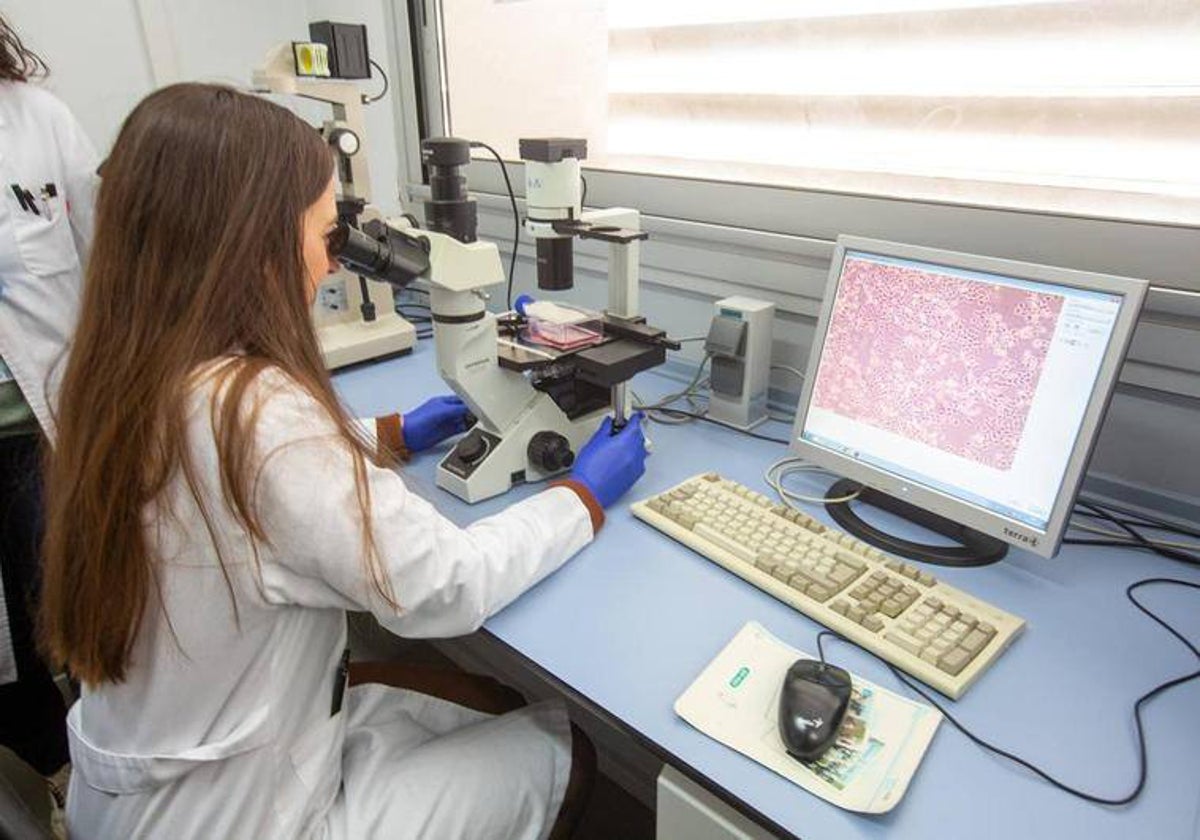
(390, 256)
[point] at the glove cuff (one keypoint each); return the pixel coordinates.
(594, 508)
(389, 437)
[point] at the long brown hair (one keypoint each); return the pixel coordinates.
(17, 61)
(197, 258)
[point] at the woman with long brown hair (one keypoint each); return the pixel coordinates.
(47, 175)
(213, 512)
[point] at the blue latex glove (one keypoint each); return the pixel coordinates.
(609, 464)
(433, 421)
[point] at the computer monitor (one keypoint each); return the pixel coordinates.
(962, 392)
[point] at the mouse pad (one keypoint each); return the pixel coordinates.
(879, 746)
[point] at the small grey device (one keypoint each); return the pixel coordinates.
(739, 341)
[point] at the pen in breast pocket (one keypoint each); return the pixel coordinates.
(25, 199)
(49, 191)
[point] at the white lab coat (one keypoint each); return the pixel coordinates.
(223, 727)
(40, 255)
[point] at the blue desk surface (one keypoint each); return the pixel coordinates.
(632, 620)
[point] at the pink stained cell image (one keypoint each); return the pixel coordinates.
(946, 361)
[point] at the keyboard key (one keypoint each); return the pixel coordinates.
(904, 641)
(975, 641)
(842, 575)
(954, 660)
(801, 584)
(767, 562)
(732, 546)
(891, 608)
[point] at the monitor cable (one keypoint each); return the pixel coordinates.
(1136, 538)
(1137, 706)
(1109, 511)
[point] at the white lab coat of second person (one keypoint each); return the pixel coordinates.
(41, 255)
(223, 727)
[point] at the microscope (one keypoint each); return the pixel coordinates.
(536, 405)
(355, 318)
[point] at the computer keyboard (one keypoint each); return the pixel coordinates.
(938, 634)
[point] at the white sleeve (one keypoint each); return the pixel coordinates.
(447, 580)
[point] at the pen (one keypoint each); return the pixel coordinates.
(20, 194)
(47, 194)
(25, 199)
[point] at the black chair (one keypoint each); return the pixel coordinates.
(25, 808)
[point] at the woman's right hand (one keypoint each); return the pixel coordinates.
(609, 464)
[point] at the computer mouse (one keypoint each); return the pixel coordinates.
(812, 704)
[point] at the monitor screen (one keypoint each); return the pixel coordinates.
(969, 385)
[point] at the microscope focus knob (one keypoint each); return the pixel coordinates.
(345, 141)
(550, 452)
(471, 448)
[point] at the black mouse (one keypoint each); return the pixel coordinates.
(811, 707)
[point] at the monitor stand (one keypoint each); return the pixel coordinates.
(975, 548)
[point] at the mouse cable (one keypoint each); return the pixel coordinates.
(1137, 707)
(778, 472)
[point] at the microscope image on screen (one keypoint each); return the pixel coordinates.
(982, 347)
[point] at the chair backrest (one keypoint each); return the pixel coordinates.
(24, 800)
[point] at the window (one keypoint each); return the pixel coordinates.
(1087, 108)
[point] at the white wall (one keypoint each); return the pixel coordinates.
(97, 56)
(549, 56)
(105, 55)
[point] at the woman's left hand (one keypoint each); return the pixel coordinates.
(434, 420)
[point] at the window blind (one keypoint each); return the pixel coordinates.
(1082, 107)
